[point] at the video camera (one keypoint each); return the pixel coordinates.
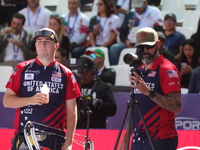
(134, 60)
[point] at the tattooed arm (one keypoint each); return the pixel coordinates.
(171, 101)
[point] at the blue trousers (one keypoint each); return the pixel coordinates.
(114, 52)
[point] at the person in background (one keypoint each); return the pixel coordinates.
(154, 2)
(156, 86)
(174, 39)
(97, 97)
(188, 61)
(104, 27)
(56, 23)
(122, 6)
(162, 50)
(76, 27)
(15, 42)
(141, 15)
(50, 113)
(107, 75)
(194, 84)
(60, 55)
(37, 17)
(196, 37)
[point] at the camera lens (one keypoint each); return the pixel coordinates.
(129, 58)
(132, 60)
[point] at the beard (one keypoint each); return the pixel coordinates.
(150, 58)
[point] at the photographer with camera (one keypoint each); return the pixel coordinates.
(97, 97)
(156, 86)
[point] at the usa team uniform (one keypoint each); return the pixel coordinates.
(163, 78)
(28, 79)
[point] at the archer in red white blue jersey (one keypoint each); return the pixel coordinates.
(27, 80)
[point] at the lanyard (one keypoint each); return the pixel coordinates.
(101, 28)
(167, 44)
(71, 33)
(16, 48)
(36, 19)
(142, 15)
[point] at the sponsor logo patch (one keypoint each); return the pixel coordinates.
(55, 79)
(29, 76)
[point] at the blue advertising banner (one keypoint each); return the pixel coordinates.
(187, 119)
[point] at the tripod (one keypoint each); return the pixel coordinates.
(88, 144)
(130, 104)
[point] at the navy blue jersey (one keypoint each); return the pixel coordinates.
(163, 78)
(27, 80)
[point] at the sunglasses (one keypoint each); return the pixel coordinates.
(169, 21)
(46, 33)
(147, 46)
(95, 55)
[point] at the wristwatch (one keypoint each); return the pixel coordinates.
(152, 93)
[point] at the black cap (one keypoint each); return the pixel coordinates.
(88, 61)
(161, 35)
(170, 15)
(46, 32)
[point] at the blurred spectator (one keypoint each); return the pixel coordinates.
(104, 27)
(188, 61)
(8, 8)
(174, 39)
(60, 55)
(154, 2)
(122, 6)
(37, 17)
(140, 16)
(76, 28)
(196, 37)
(107, 75)
(162, 50)
(56, 24)
(97, 96)
(86, 1)
(194, 85)
(15, 42)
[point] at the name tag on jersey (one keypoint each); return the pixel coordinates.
(29, 76)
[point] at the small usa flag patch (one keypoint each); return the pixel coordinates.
(172, 74)
(152, 74)
(56, 74)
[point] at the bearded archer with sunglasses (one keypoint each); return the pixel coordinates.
(157, 90)
(49, 113)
